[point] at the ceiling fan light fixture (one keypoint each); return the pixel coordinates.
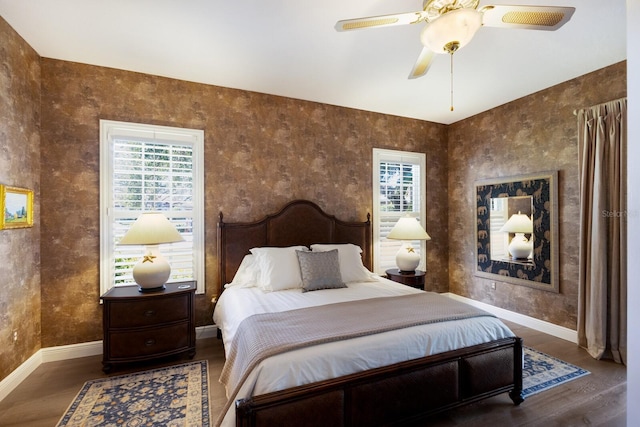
(457, 26)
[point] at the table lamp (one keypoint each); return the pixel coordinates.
(520, 247)
(407, 229)
(151, 229)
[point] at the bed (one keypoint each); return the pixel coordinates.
(371, 354)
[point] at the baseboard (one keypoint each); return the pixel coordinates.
(207, 331)
(71, 351)
(14, 379)
(521, 319)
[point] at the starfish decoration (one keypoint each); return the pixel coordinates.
(148, 258)
(410, 250)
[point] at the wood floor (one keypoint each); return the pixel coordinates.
(598, 399)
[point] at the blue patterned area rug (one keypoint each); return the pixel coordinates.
(542, 372)
(174, 396)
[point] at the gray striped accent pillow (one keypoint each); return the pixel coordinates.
(320, 270)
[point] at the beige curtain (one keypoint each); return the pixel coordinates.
(602, 305)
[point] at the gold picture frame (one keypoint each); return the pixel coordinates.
(16, 207)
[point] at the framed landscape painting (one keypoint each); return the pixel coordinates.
(16, 205)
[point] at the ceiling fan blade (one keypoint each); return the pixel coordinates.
(548, 18)
(423, 63)
(380, 21)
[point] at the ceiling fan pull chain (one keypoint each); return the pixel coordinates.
(451, 81)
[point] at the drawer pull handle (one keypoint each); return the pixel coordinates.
(150, 313)
(149, 342)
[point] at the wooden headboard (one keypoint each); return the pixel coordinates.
(300, 222)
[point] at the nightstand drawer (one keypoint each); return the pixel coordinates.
(133, 344)
(132, 314)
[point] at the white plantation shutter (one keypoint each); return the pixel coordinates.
(387, 249)
(398, 189)
(151, 168)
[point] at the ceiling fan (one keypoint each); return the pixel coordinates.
(451, 24)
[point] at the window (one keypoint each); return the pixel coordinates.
(151, 168)
(398, 187)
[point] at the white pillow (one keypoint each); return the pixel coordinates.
(351, 267)
(278, 268)
(247, 274)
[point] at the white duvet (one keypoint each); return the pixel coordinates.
(316, 363)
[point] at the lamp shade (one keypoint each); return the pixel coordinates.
(151, 228)
(457, 26)
(518, 223)
(408, 228)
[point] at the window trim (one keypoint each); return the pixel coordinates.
(380, 154)
(193, 137)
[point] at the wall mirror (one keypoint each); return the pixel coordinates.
(517, 230)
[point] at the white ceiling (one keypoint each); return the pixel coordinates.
(290, 48)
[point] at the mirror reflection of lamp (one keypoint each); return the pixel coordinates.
(151, 229)
(407, 229)
(519, 224)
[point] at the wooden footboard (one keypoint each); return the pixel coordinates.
(397, 394)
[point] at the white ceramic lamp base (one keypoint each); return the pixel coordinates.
(520, 247)
(407, 259)
(152, 271)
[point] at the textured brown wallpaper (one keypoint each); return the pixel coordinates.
(533, 134)
(261, 151)
(19, 167)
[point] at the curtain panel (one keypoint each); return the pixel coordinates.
(602, 305)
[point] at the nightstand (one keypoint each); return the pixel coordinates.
(415, 279)
(139, 326)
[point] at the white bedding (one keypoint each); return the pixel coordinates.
(311, 364)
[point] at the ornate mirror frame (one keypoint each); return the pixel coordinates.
(541, 271)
